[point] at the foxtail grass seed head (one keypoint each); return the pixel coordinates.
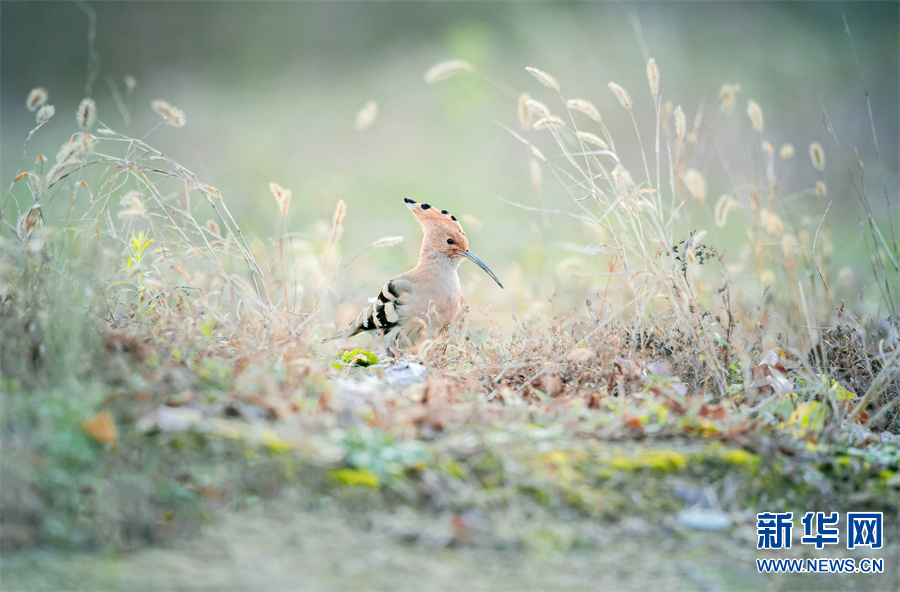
(366, 116)
(622, 95)
(821, 189)
(213, 227)
(787, 246)
(544, 78)
(282, 197)
(36, 185)
(387, 241)
(680, 123)
(665, 112)
(548, 122)
(585, 107)
(727, 95)
(85, 144)
(653, 76)
(723, 206)
(845, 277)
(44, 114)
(132, 206)
(695, 183)
(524, 112)
(173, 116)
(536, 173)
(817, 156)
(590, 138)
(445, 70)
(68, 151)
(771, 222)
(61, 170)
(29, 221)
(36, 98)
(755, 115)
(786, 152)
(754, 200)
(622, 181)
(86, 114)
(337, 221)
(537, 108)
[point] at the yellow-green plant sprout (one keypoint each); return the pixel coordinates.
(136, 268)
(357, 357)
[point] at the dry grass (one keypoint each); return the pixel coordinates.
(675, 340)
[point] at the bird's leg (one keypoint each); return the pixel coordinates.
(389, 344)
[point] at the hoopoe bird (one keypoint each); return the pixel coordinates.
(425, 299)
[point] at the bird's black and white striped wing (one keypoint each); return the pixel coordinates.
(386, 313)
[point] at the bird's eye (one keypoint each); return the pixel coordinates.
(449, 241)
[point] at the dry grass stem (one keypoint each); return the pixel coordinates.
(387, 241)
(445, 70)
(538, 154)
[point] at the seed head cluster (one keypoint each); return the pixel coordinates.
(173, 116)
(86, 114)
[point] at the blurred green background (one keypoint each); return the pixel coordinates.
(271, 90)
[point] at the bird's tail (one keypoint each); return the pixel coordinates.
(345, 334)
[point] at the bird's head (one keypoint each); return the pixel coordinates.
(444, 236)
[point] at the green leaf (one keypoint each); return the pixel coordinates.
(356, 477)
(357, 357)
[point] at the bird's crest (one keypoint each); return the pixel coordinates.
(429, 215)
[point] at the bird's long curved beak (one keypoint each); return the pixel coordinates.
(473, 258)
